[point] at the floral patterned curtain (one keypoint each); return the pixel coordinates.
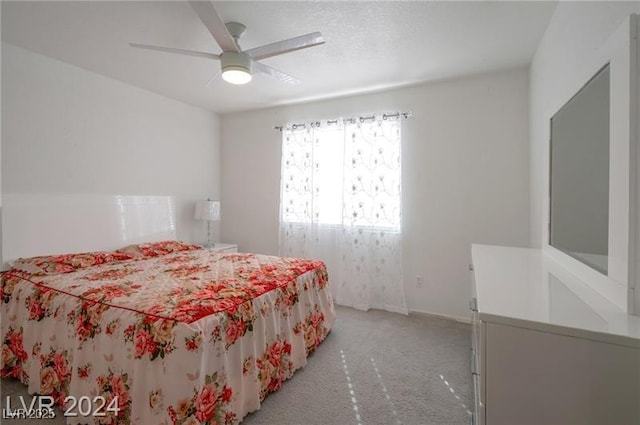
(341, 203)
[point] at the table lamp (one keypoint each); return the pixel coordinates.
(210, 211)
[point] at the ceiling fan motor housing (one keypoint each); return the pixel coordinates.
(236, 29)
(238, 61)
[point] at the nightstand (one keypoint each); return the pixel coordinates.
(225, 247)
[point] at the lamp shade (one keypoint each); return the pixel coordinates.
(207, 210)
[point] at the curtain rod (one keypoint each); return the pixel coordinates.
(405, 115)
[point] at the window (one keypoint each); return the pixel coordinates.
(340, 203)
(342, 173)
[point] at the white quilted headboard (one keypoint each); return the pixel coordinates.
(55, 224)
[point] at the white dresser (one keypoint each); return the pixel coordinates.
(546, 348)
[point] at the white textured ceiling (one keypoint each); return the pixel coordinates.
(369, 45)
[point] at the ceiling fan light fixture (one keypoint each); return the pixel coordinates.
(236, 67)
(236, 75)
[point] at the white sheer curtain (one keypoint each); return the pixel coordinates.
(341, 203)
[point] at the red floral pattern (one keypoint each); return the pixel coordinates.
(13, 355)
(313, 328)
(67, 263)
(193, 342)
(55, 375)
(287, 297)
(152, 337)
(39, 303)
(114, 388)
(161, 334)
(209, 405)
(87, 319)
(274, 367)
(155, 249)
(9, 281)
(84, 371)
(112, 274)
(172, 299)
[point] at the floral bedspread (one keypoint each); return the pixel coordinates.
(189, 337)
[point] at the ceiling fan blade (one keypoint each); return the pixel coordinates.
(214, 23)
(179, 51)
(274, 73)
(286, 46)
(213, 81)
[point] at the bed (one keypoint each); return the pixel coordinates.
(161, 332)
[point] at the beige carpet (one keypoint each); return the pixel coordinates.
(374, 368)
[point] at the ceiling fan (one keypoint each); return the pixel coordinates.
(238, 65)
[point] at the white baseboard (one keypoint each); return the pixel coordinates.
(459, 319)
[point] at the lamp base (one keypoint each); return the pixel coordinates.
(210, 242)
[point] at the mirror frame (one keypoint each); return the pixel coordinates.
(622, 51)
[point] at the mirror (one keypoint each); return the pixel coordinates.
(579, 180)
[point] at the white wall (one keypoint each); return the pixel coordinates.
(67, 130)
(465, 176)
(561, 65)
